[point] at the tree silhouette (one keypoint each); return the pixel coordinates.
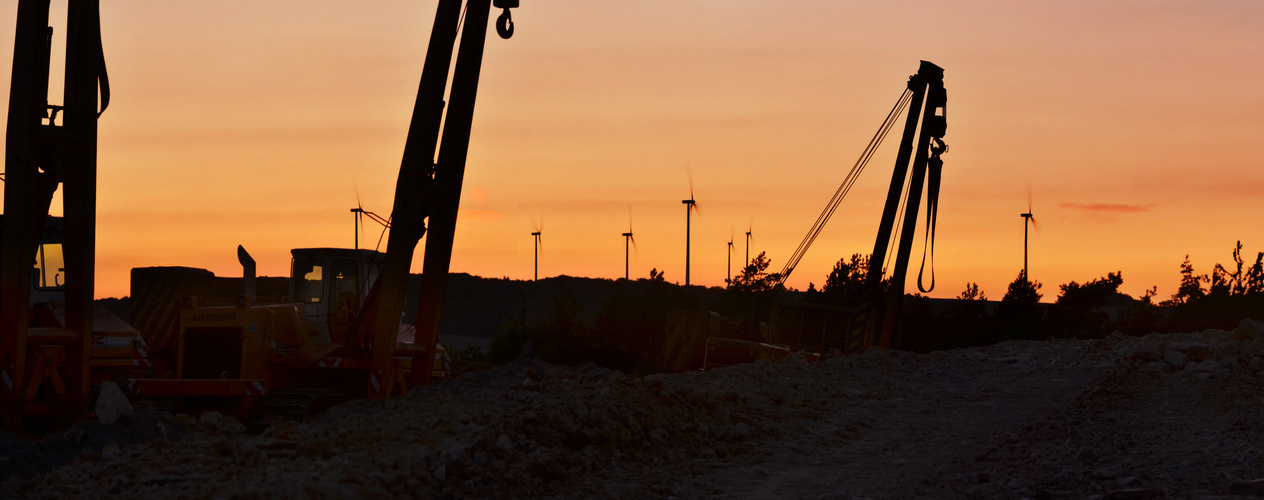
(755, 276)
(1223, 282)
(1255, 276)
(1090, 295)
(1019, 309)
(1078, 310)
(1021, 293)
(972, 294)
(846, 282)
(1191, 288)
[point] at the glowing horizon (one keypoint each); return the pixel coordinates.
(241, 123)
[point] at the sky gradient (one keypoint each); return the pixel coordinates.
(1136, 124)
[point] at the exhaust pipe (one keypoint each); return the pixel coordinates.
(247, 274)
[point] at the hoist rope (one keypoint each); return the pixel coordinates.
(846, 186)
(934, 173)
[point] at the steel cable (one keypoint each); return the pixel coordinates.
(846, 185)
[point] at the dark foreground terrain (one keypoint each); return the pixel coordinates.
(1166, 415)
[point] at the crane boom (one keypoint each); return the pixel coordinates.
(928, 107)
(39, 157)
(428, 190)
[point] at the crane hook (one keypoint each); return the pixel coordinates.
(939, 147)
(504, 24)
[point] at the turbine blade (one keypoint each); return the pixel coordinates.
(1029, 196)
(689, 174)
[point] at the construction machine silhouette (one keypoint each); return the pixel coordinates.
(874, 318)
(338, 334)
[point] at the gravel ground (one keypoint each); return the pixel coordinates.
(1166, 415)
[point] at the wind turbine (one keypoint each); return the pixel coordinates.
(748, 240)
(690, 207)
(360, 212)
(1027, 217)
(627, 240)
(729, 277)
(539, 228)
(359, 222)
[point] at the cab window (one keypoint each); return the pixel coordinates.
(308, 277)
(50, 267)
(346, 280)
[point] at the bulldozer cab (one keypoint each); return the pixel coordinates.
(332, 284)
(48, 276)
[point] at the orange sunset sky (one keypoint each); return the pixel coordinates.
(1137, 124)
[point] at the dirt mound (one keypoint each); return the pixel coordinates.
(23, 458)
(1066, 418)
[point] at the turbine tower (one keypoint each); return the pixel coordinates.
(690, 207)
(359, 213)
(627, 241)
(1027, 217)
(729, 277)
(748, 238)
(358, 222)
(536, 234)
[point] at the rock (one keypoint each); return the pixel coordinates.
(441, 473)
(327, 489)
(112, 404)
(1175, 358)
(1249, 329)
(216, 423)
(1195, 352)
(1254, 487)
(210, 418)
(740, 431)
(110, 452)
(1155, 368)
(1135, 494)
(1085, 454)
(452, 452)
(795, 359)
(1207, 366)
(1148, 350)
(504, 443)
(875, 353)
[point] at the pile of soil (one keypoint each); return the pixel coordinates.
(1122, 417)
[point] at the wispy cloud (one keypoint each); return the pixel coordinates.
(1116, 208)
